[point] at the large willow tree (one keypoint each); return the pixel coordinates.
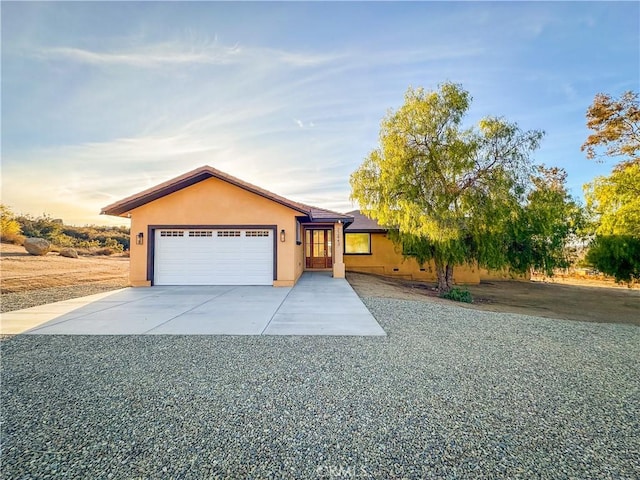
(446, 192)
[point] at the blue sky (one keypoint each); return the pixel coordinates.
(102, 100)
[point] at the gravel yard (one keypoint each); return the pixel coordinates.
(32, 298)
(450, 393)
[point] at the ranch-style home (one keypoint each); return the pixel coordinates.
(209, 228)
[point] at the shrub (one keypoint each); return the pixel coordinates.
(104, 251)
(10, 231)
(458, 295)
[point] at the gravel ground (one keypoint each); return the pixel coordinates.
(33, 298)
(450, 393)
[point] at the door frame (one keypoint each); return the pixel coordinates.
(326, 228)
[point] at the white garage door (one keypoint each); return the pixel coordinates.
(213, 257)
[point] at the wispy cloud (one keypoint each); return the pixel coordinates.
(182, 53)
(301, 124)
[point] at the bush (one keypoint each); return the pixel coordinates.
(89, 237)
(10, 230)
(104, 251)
(458, 295)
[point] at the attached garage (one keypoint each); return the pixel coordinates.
(207, 227)
(226, 256)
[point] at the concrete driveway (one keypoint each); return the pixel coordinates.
(317, 305)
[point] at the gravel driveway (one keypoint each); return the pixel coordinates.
(450, 393)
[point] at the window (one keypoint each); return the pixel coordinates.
(357, 243)
(228, 233)
(171, 233)
(256, 233)
(200, 233)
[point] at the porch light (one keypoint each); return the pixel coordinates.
(140, 238)
(282, 235)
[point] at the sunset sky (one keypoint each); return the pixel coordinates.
(101, 100)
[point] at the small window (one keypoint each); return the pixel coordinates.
(171, 233)
(357, 243)
(200, 233)
(256, 233)
(228, 233)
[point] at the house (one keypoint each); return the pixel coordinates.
(368, 250)
(208, 228)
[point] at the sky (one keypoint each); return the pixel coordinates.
(103, 100)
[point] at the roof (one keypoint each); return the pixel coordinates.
(122, 207)
(363, 224)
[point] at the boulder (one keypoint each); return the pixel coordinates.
(69, 252)
(37, 246)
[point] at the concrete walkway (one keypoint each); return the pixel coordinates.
(317, 305)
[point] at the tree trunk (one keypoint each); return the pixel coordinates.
(445, 277)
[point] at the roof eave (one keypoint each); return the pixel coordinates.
(135, 201)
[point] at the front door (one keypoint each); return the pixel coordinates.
(318, 248)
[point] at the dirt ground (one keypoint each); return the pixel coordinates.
(587, 302)
(21, 272)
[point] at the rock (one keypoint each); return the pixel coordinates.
(37, 246)
(69, 252)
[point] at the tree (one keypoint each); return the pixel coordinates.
(546, 224)
(613, 201)
(614, 205)
(616, 255)
(448, 192)
(616, 125)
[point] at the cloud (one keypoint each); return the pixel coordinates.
(301, 124)
(178, 53)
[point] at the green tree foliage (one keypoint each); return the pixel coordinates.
(10, 230)
(616, 126)
(616, 255)
(448, 192)
(544, 226)
(613, 201)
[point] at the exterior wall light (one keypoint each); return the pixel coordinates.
(282, 235)
(140, 238)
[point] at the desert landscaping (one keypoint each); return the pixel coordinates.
(29, 280)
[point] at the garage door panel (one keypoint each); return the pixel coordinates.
(214, 257)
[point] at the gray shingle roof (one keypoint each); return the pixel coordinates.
(362, 223)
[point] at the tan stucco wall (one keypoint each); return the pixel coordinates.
(298, 237)
(385, 259)
(215, 202)
(504, 274)
(338, 258)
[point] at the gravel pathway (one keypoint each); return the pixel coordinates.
(32, 298)
(450, 393)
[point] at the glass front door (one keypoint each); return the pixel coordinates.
(318, 247)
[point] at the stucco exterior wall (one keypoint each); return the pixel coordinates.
(504, 274)
(385, 259)
(339, 267)
(215, 202)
